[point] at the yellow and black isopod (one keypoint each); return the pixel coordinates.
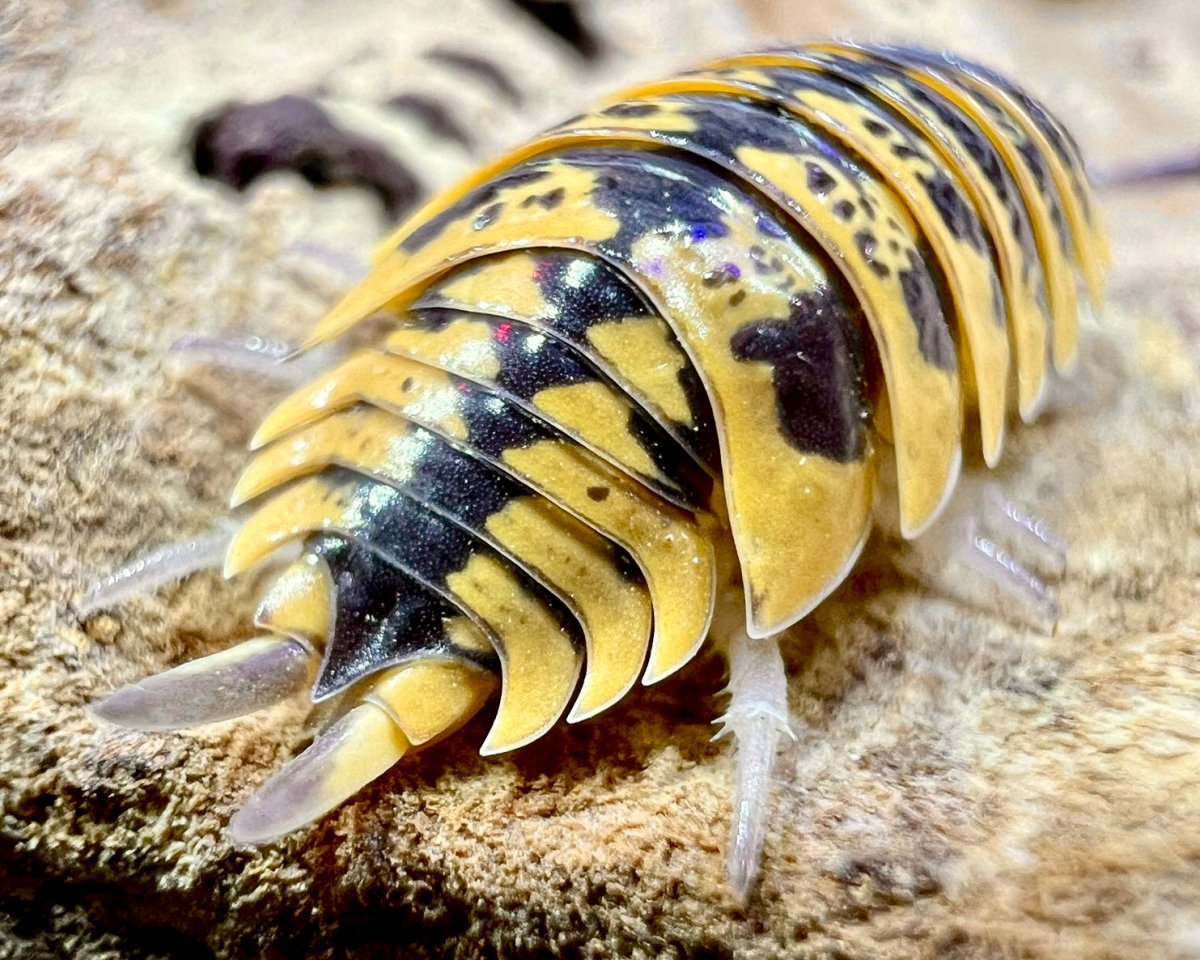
(668, 360)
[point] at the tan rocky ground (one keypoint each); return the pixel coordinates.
(963, 787)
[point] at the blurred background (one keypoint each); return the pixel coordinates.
(402, 96)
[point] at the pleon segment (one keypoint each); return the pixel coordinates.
(384, 617)
(1035, 186)
(597, 579)
(674, 554)
(897, 154)
(300, 601)
(432, 697)
(589, 305)
(967, 151)
(547, 378)
(536, 637)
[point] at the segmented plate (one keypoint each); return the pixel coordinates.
(670, 342)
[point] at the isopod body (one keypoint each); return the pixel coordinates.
(657, 357)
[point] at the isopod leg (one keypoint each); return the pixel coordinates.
(1006, 553)
(1000, 569)
(1011, 551)
(164, 565)
(245, 678)
(275, 360)
(1030, 535)
(758, 719)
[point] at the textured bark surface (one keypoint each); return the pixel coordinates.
(962, 787)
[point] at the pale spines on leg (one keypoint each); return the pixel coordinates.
(758, 718)
(1006, 552)
(232, 683)
(1013, 550)
(1036, 537)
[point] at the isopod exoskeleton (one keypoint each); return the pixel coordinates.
(645, 369)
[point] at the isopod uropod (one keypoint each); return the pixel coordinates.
(650, 366)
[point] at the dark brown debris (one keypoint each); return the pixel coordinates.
(241, 141)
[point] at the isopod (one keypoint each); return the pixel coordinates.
(652, 376)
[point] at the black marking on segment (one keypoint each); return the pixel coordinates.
(651, 193)
(530, 362)
(488, 215)
(468, 492)
(664, 452)
(434, 226)
(495, 425)
(478, 67)
(955, 210)
(816, 357)
(1031, 156)
(547, 201)
(997, 170)
(423, 543)
(867, 74)
(723, 126)
(382, 618)
(436, 119)
(819, 181)
(630, 110)
(867, 245)
(583, 292)
(1055, 133)
(663, 192)
(461, 486)
(926, 298)
(952, 204)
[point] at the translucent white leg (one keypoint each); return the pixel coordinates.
(1003, 571)
(347, 264)
(999, 546)
(758, 719)
(252, 354)
(1028, 534)
(164, 565)
(232, 683)
(359, 747)
(274, 359)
